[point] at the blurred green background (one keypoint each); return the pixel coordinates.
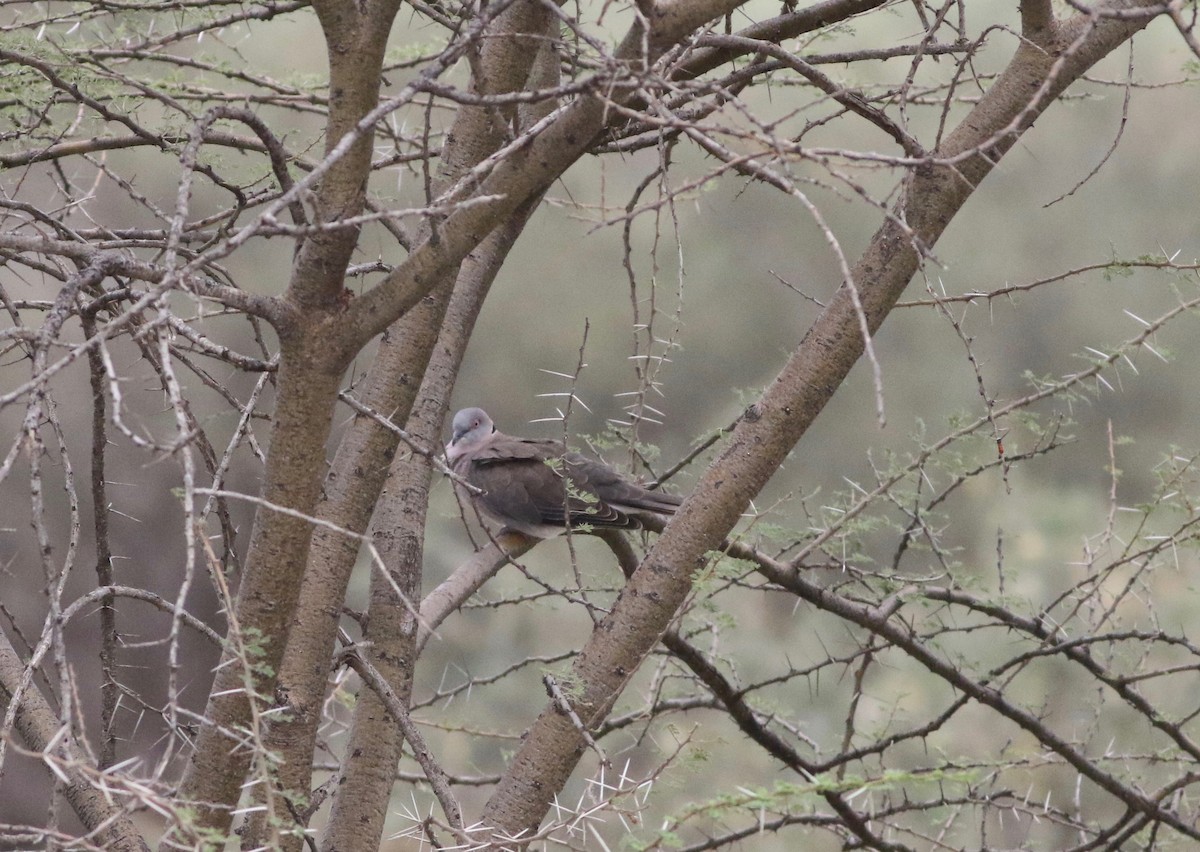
(714, 274)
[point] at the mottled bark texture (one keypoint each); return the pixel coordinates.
(356, 477)
(315, 350)
(395, 636)
(373, 753)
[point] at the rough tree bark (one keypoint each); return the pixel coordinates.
(392, 633)
(316, 349)
(357, 474)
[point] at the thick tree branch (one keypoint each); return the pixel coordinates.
(360, 804)
(313, 358)
(1037, 20)
(399, 713)
(357, 477)
(531, 168)
(396, 638)
(355, 37)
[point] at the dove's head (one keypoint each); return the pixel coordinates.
(470, 428)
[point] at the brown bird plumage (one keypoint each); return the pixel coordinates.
(539, 488)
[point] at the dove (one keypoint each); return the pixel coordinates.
(539, 488)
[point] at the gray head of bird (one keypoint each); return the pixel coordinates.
(470, 428)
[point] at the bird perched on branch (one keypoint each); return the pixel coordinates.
(538, 488)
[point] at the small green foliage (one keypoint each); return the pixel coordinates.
(202, 839)
(254, 646)
(253, 641)
(1118, 269)
(714, 572)
(586, 497)
(566, 682)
